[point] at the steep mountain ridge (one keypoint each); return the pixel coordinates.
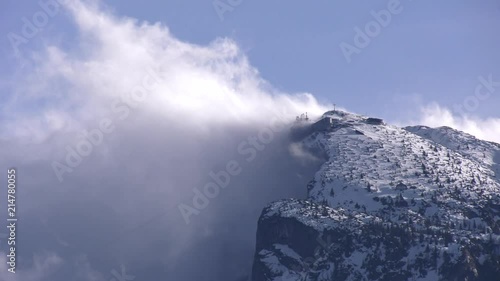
(411, 203)
(465, 144)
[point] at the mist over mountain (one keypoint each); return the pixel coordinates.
(113, 138)
(141, 156)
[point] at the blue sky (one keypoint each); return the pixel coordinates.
(429, 52)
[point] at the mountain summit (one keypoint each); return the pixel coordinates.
(389, 203)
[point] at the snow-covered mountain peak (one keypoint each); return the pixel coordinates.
(438, 186)
(369, 161)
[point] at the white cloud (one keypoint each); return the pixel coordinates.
(201, 102)
(434, 115)
(204, 85)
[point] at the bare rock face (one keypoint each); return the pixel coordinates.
(389, 204)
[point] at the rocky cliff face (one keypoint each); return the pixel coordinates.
(390, 203)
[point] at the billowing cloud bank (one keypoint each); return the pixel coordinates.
(141, 154)
(434, 115)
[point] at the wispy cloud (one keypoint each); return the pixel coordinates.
(434, 115)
